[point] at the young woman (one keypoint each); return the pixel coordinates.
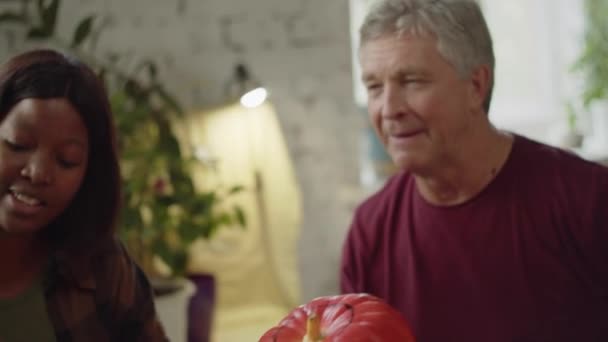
(63, 274)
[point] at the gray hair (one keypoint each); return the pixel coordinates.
(462, 34)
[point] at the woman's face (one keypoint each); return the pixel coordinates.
(44, 151)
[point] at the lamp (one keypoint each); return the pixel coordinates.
(249, 91)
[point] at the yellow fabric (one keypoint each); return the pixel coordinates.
(255, 268)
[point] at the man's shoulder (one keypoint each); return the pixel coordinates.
(556, 161)
(558, 176)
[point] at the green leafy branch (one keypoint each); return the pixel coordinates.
(593, 62)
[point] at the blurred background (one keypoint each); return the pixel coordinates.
(249, 198)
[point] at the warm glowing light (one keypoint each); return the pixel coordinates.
(254, 98)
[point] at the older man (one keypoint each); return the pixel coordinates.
(484, 235)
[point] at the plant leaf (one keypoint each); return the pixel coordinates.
(8, 17)
(240, 216)
(49, 15)
(150, 66)
(235, 189)
(102, 76)
(169, 99)
(82, 31)
(152, 70)
(38, 33)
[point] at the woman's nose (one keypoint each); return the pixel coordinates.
(39, 170)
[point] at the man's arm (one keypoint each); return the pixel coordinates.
(354, 257)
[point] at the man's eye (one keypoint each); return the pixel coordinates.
(413, 81)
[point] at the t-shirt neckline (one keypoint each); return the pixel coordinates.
(504, 171)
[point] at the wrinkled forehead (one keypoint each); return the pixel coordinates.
(414, 22)
(402, 36)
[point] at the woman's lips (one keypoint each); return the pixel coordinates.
(24, 204)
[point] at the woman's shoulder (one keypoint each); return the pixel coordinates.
(106, 263)
(114, 269)
(110, 275)
(109, 289)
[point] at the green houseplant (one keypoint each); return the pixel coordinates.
(593, 61)
(162, 213)
(593, 65)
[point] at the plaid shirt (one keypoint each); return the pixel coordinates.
(106, 298)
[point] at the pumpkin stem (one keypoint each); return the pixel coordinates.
(313, 328)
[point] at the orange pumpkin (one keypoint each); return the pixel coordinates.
(345, 318)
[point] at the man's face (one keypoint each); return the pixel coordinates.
(419, 105)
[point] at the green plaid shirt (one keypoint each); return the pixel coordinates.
(105, 298)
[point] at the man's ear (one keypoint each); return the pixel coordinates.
(479, 86)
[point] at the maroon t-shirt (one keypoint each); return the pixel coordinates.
(524, 260)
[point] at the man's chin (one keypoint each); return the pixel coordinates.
(410, 163)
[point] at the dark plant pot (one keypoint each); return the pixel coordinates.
(200, 308)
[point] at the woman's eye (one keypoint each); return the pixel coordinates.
(67, 164)
(15, 146)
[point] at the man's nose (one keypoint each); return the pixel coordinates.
(393, 103)
(39, 169)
